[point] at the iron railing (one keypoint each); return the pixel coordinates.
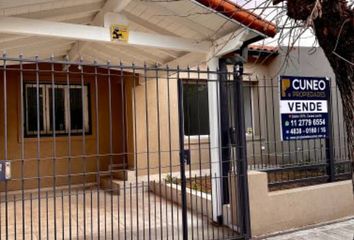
(104, 151)
(292, 163)
(95, 154)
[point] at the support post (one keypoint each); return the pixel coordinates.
(214, 135)
(225, 129)
(241, 152)
(329, 142)
(183, 157)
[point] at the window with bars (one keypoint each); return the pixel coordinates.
(64, 108)
(196, 109)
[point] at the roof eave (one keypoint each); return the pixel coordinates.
(241, 16)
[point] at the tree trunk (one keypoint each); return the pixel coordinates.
(334, 31)
(333, 23)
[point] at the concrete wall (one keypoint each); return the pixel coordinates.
(45, 163)
(157, 127)
(294, 208)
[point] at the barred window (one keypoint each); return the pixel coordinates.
(71, 109)
(196, 110)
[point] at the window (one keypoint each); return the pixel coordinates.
(196, 110)
(71, 109)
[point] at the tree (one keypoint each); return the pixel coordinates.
(333, 24)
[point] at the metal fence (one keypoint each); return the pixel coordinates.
(103, 151)
(294, 163)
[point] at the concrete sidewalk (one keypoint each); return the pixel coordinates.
(343, 230)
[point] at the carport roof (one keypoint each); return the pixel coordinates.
(28, 28)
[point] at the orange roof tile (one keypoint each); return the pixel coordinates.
(241, 15)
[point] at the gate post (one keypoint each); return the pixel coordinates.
(183, 157)
(224, 130)
(241, 152)
(329, 141)
(214, 136)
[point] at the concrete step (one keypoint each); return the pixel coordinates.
(113, 186)
(123, 174)
(117, 166)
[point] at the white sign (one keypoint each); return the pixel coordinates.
(303, 106)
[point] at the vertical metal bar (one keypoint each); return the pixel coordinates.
(22, 149)
(53, 122)
(219, 146)
(105, 213)
(47, 214)
(135, 155)
(259, 123)
(207, 207)
(159, 142)
(266, 118)
(189, 148)
(62, 215)
(5, 144)
(339, 151)
(118, 206)
(166, 212)
(124, 145)
(252, 120)
(155, 212)
(110, 141)
(83, 142)
(178, 220)
(225, 130)
(98, 167)
(131, 210)
(77, 214)
(38, 147)
(274, 130)
(329, 142)
(199, 147)
(91, 215)
(15, 217)
(31, 215)
(69, 141)
(210, 158)
(147, 143)
(182, 159)
(143, 203)
(170, 144)
(242, 153)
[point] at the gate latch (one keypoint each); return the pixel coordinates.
(186, 156)
(5, 170)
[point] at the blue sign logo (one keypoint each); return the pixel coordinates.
(304, 107)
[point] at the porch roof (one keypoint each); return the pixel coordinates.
(162, 32)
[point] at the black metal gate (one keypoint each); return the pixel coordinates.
(104, 151)
(229, 186)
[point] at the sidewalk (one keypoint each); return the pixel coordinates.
(337, 231)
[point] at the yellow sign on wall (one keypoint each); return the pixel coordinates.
(119, 33)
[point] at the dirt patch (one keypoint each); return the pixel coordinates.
(277, 180)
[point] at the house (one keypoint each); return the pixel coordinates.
(142, 94)
(113, 119)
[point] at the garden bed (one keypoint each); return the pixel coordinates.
(277, 180)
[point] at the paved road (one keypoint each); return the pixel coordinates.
(337, 231)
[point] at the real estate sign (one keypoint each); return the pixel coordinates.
(304, 103)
